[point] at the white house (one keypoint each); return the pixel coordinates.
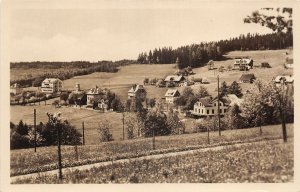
(243, 63)
(15, 89)
(171, 95)
(95, 94)
(288, 79)
(208, 107)
(51, 85)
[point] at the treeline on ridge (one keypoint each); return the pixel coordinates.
(197, 55)
(65, 70)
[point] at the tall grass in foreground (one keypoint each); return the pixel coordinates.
(268, 162)
(25, 161)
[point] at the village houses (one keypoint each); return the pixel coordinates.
(51, 85)
(137, 91)
(171, 95)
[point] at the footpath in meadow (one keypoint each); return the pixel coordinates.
(101, 164)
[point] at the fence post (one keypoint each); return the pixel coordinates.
(83, 139)
(76, 152)
(34, 125)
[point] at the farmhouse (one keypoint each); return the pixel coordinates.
(247, 78)
(207, 107)
(243, 64)
(94, 94)
(171, 95)
(137, 91)
(51, 85)
(174, 78)
(15, 89)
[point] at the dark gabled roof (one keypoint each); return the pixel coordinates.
(135, 88)
(206, 101)
(247, 77)
(172, 93)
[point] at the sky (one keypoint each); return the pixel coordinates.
(115, 34)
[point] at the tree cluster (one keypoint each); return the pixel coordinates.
(197, 55)
(23, 136)
(64, 70)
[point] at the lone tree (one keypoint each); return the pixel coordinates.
(283, 22)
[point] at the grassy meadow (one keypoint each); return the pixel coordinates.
(24, 161)
(267, 162)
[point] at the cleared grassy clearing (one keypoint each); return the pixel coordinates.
(25, 161)
(268, 162)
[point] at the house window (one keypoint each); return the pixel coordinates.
(198, 110)
(220, 110)
(224, 110)
(202, 111)
(207, 111)
(213, 111)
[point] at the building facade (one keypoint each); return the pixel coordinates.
(208, 107)
(51, 85)
(171, 95)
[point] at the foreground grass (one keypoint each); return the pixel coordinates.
(268, 162)
(26, 161)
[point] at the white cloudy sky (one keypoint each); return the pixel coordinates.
(113, 34)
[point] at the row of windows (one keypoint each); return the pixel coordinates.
(208, 111)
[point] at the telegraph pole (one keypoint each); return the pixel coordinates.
(153, 139)
(123, 126)
(59, 151)
(219, 108)
(83, 140)
(34, 125)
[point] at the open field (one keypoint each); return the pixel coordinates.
(24, 161)
(121, 81)
(267, 162)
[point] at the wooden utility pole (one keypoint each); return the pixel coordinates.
(282, 110)
(219, 109)
(83, 140)
(34, 125)
(153, 139)
(59, 152)
(123, 125)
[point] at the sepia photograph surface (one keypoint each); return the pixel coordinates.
(148, 93)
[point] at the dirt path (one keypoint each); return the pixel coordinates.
(101, 164)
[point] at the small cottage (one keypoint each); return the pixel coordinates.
(16, 89)
(174, 78)
(171, 95)
(247, 78)
(137, 91)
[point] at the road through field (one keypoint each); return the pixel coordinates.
(158, 156)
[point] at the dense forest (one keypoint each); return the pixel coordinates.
(197, 55)
(65, 70)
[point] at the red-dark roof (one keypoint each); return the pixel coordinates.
(247, 77)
